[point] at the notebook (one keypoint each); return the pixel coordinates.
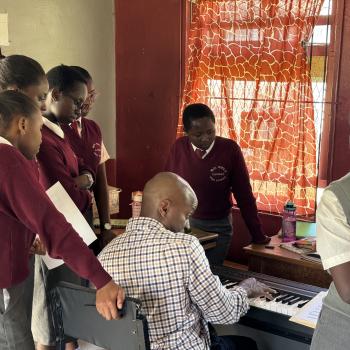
(309, 313)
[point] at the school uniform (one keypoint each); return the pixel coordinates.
(26, 210)
(214, 177)
(85, 137)
(59, 163)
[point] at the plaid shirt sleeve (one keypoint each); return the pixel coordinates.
(217, 304)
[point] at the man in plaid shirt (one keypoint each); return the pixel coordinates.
(169, 272)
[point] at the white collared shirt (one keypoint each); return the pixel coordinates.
(54, 127)
(333, 231)
(206, 151)
(5, 141)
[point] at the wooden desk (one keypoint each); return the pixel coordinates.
(207, 239)
(283, 263)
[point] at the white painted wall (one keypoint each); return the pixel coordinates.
(72, 32)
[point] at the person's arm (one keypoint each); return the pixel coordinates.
(51, 160)
(28, 202)
(333, 242)
(341, 279)
(217, 304)
(102, 202)
(246, 201)
(86, 176)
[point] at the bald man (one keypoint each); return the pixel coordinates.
(169, 272)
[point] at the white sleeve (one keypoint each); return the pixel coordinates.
(333, 231)
(104, 153)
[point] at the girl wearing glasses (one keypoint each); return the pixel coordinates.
(85, 138)
(64, 102)
(67, 93)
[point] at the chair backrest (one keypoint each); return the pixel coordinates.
(75, 315)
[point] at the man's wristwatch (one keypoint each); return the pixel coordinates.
(107, 226)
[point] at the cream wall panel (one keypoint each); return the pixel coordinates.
(73, 32)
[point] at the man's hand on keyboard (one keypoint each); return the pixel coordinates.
(256, 289)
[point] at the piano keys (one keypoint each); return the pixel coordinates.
(282, 302)
(273, 316)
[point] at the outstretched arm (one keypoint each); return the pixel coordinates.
(102, 202)
(242, 190)
(38, 214)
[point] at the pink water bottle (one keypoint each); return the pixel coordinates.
(289, 222)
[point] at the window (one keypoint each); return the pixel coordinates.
(261, 66)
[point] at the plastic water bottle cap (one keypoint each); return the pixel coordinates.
(290, 206)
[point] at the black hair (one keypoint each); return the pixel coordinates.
(21, 71)
(86, 75)
(14, 103)
(196, 111)
(64, 78)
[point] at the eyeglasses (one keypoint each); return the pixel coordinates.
(78, 103)
(92, 95)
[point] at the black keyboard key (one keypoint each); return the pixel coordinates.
(302, 304)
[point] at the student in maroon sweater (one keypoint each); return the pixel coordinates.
(67, 93)
(22, 73)
(85, 138)
(25, 210)
(214, 166)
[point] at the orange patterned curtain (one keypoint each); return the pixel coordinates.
(246, 60)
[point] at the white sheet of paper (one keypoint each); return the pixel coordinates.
(309, 313)
(4, 32)
(66, 206)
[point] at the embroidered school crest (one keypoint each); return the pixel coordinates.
(218, 173)
(96, 149)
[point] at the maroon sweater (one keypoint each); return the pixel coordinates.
(25, 210)
(39, 173)
(222, 172)
(59, 163)
(88, 145)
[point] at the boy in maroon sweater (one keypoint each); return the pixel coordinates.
(215, 168)
(25, 210)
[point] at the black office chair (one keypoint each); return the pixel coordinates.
(75, 316)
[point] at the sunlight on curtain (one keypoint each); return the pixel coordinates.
(247, 61)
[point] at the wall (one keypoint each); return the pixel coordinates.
(148, 61)
(73, 32)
